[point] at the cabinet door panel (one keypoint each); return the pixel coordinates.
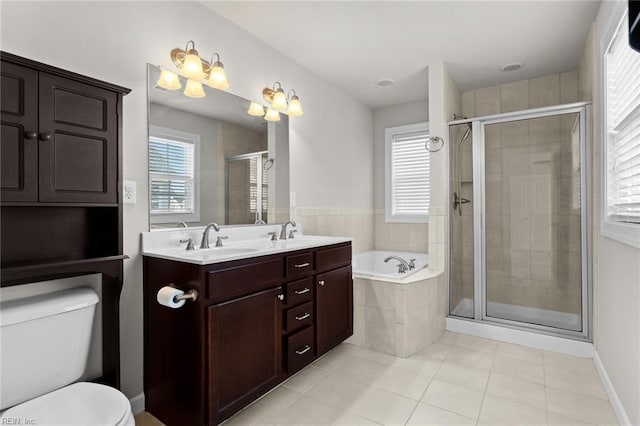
(244, 350)
(78, 143)
(18, 146)
(334, 308)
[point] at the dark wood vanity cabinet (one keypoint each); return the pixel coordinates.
(256, 322)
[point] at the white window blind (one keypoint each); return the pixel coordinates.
(171, 176)
(623, 129)
(408, 185)
(253, 184)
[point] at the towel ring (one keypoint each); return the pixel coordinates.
(429, 144)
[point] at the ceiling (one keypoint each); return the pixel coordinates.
(355, 43)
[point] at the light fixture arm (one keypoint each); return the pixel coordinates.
(289, 94)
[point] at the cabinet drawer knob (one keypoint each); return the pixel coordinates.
(301, 265)
(321, 282)
(45, 136)
(303, 316)
(303, 291)
(281, 297)
(30, 135)
(304, 350)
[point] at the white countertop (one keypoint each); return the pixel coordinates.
(166, 245)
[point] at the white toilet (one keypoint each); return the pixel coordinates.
(45, 344)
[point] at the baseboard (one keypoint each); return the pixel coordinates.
(521, 337)
(618, 408)
(137, 403)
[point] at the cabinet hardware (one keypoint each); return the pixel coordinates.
(304, 350)
(30, 135)
(303, 291)
(281, 297)
(321, 282)
(302, 265)
(45, 137)
(304, 316)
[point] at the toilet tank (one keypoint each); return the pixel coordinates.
(45, 343)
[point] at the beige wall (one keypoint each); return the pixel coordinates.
(616, 268)
(395, 236)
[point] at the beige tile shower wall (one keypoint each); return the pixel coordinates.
(532, 196)
(354, 223)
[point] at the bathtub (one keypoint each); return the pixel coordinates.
(399, 314)
(371, 265)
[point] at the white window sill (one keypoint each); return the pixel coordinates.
(625, 233)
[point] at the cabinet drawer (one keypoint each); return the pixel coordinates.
(244, 279)
(300, 350)
(299, 265)
(299, 291)
(333, 258)
(299, 317)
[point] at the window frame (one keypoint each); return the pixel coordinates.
(180, 136)
(627, 233)
(389, 134)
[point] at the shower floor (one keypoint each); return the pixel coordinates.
(525, 314)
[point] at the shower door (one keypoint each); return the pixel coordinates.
(529, 230)
(246, 188)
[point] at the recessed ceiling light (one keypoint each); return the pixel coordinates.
(384, 82)
(512, 66)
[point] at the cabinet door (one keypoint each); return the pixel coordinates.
(19, 143)
(244, 350)
(78, 142)
(334, 308)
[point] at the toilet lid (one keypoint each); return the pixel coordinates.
(79, 404)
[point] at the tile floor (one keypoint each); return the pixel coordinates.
(459, 380)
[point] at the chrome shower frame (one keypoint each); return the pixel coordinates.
(479, 216)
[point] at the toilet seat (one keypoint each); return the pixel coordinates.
(79, 404)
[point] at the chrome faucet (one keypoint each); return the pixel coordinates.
(204, 244)
(283, 231)
(403, 266)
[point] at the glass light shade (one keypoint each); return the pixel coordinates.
(256, 109)
(218, 77)
(194, 89)
(295, 109)
(169, 80)
(272, 115)
(192, 65)
(279, 101)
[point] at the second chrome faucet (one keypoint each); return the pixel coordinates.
(204, 243)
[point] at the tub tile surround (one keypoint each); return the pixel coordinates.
(354, 385)
(357, 224)
(398, 319)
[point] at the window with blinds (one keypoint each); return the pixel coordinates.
(622, 66)
(407, 174)
(254, 174)
(172, 177)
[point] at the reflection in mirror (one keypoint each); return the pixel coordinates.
(210, 161)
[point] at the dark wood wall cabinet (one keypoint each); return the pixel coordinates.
(256, 322)
(60, 165)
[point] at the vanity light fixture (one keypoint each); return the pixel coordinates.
(194, 67)
(279, 101)
(169, 80)
(194, 89)
(272, 115)
(256, 109)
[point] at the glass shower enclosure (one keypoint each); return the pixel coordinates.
(518, 225)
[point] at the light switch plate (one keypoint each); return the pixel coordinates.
(129, 192)
(292, 199)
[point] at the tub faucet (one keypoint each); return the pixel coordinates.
(283, 231)
(403, 266)
(204, 244)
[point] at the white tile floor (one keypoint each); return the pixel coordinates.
(459, 380)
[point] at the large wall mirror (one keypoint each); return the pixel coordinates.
(210, 161)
